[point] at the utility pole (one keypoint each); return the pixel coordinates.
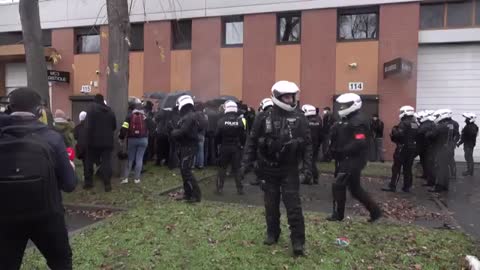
(34, 51)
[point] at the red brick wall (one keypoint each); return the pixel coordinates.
(63, 42)
(319, 39)
(206, 34)
(258, 57)
(398, 38)
(157, 44)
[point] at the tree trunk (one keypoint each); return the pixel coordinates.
(118, 56)
(34, 51)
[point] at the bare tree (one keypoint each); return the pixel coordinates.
(118, 56)
(118, 52)
(34, 53)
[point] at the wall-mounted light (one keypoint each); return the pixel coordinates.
(353, 65)
(97, 72)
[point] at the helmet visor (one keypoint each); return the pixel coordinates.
(344, 106)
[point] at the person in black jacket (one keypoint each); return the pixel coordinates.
(377, 130)
(327, 124)
(278, 140)
(100, 126)
(427, 147)
(80, 136)
(315, 124)
(405, 136)
(469, 139)
(230, 135)
(444, 136)
(48, 232)
(185, 135)
(352, 151)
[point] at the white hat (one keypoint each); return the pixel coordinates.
(309, 110)
(82, 116)
(184, 100)
(230, 106)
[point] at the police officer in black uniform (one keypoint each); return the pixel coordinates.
(452, 165)
(316, 132)
(427, 147)
(185, 135)
(265, 106)
(352, 151)
(469, 139)
(443, 136)
(404, 135)
(278, 140)
(230, 135)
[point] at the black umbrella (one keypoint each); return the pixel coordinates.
(170, 100)
(155, 95)
(216, 102)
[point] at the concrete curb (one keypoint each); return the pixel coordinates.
(452, 222)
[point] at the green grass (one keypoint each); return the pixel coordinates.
(373, 169)
(174, 235)
(157, 233)
(155, 180)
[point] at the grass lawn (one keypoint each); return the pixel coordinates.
(174, 235)
(158, 233)
(155, 180)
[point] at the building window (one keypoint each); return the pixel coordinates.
(451, 14)
(432, 16)
(459, 14)
(88, 40)
(182, 35)
(136, 37)
(13, 38)
(358, 24)
(477, 12)
(232, 31)
(289, 28)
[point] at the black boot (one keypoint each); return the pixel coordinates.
(270, 240)
(339, 198)
(375, 215)
(298, 249)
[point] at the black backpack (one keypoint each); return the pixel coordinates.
(28, 185)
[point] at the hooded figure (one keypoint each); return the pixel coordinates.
(64, 127)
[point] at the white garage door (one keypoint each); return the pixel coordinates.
(449, 77)
(15, 76)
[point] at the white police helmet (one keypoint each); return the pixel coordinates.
(406, 111)
(281, 88)
(349, 103)
(471, 117)
(184, 100)
(442, 114)
(266, 102)
(309, 110)
(230, 106)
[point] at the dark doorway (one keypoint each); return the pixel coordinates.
(79, 104)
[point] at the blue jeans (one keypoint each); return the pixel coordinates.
(200, 157)
(136, 150)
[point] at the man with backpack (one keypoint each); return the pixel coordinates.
(135, 129)
(100, 126)
(35, 167)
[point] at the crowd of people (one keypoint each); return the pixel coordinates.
(280, 143)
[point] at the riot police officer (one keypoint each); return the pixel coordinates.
(404, 135)
(469, 139)
(352, 151)
(443, 135)
(452, 165)
(185, 135)
(279, 138)
(230, 135)
(426, 146)
(316, 131)
(265, 105)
